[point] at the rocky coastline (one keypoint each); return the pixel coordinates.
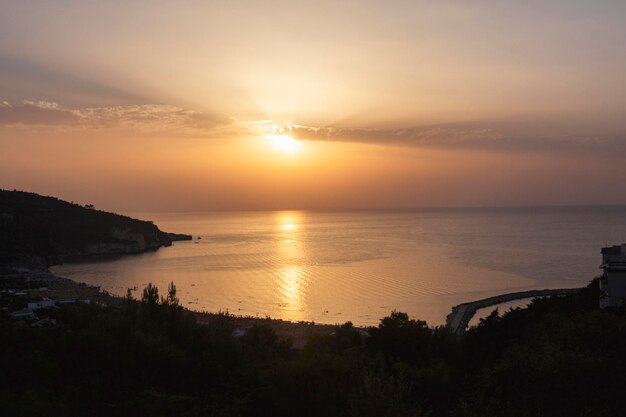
(37, 232)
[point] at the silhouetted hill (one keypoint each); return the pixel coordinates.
(44, 230)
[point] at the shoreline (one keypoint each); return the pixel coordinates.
(61, 289)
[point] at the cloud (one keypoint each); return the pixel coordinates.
(150, 117)
(425, 136)
(169, 119)
(479, 135)
(35, 113)
(143, 117)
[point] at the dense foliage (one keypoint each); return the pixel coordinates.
(560, 356)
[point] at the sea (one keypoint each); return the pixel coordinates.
(334, 267)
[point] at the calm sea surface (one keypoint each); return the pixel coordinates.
(358, 266)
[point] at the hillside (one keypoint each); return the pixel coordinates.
(45, 230)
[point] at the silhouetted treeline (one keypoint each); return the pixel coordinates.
(559, 357)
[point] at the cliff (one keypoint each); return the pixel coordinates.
(36, 230)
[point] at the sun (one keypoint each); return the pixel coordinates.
(284, 143)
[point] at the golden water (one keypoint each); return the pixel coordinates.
(337, 267)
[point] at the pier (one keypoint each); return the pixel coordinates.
(458, 320)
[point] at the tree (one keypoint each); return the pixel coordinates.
(400, 337)
(172, 299)
(129, 295)
(150, 294)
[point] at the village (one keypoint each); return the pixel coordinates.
(28, 297)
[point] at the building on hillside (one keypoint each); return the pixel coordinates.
(613, 280)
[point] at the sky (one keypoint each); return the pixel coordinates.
(281, 105)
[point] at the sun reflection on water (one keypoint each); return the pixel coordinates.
(288, 221)
(292, 284)
(292, 279)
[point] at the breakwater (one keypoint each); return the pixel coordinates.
(458, 320)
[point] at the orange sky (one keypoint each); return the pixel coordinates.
(156, 107)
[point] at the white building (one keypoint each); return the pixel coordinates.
(613, 280)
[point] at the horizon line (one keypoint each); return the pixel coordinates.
(389, 209)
